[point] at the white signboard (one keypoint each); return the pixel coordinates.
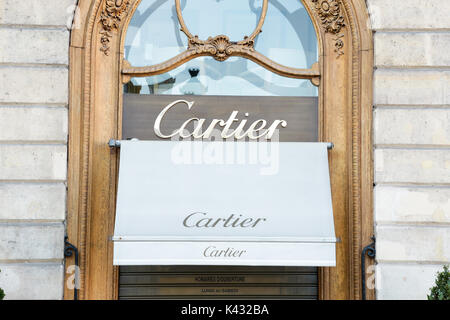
(224, 203)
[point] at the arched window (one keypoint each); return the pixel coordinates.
(313, 59)
(288, 38)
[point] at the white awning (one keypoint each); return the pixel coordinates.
(224, 203)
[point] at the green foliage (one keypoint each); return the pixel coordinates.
(441, 290)
(2, 293)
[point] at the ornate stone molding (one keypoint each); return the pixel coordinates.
(112, 14)
(329, 12)
(220, 47)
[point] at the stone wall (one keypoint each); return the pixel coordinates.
(33, 145)
(412, 144)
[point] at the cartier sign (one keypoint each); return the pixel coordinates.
(201, 220)
(166, 117)
(257, 129)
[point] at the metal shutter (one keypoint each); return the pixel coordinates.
(216, 282)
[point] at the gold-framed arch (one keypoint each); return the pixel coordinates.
(97, 72)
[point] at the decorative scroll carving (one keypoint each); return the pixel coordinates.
(112, 14)
(329, 12)
(313, 74)
(220, 47)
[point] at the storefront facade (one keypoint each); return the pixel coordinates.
(375, 165)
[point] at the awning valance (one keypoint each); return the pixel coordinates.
(224, 203)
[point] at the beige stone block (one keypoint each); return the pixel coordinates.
(424, 126)
(411, 87)
(32, 281)
(409, 14)
(34, 84)
(32, 201)
(413, 244)
(405, 281)
(33, 162)
(412, 166)
(34, 124)
(34, 46)
(412, 49)
(23, 241)
(37, 12)
(412, 205)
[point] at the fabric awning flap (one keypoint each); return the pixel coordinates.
(224, 203)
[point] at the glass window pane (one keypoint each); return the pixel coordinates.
(232, 18)
(288, 35)
(235, 76)
(154, 35)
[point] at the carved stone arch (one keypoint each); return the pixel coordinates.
(345, 95)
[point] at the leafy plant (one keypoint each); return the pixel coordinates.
(2, 293)
(441, 290)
